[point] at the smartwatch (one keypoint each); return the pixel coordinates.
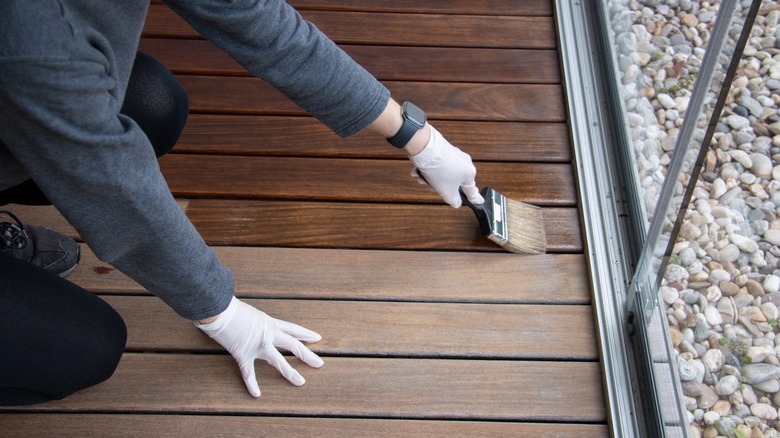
(414, 119)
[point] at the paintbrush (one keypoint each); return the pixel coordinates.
(516, 226)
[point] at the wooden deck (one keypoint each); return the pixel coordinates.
(428, 329)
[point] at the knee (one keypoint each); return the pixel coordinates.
(157, 102)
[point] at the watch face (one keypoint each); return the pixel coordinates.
(414, 114)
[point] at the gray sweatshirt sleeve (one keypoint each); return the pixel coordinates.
(60, 97)
(273, 42)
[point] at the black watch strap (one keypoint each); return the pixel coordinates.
(414, 120)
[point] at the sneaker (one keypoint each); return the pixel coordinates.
(50, 250)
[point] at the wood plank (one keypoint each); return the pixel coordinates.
(408, 63)
(303, 273)
(434, 30)
(197, 176)
(389, 329)
(350, 387)
(306, 137)
(442, 101)
(472, 7)
(375, 226)
(346, 225)
(151, 426)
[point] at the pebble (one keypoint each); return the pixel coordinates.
(746, 244)
(771, 386)
(771, 284)
(708, 397)
(691, 388)
(713, 360)
(727, 385)
(760, 372)
(754, 288)
(762, 165)
(772, 236)
(686, 370)
(759, 353)
(764, 411)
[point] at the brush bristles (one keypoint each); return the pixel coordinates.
(525, 228)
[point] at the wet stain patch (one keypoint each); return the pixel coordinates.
(102, 270)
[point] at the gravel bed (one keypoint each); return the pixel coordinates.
(721, 289)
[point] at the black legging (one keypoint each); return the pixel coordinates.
(55, 337)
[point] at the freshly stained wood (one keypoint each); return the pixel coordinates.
(302, 273)
(476, 7)
(434, 30)
(271, 136)
(372, 328)
(479, 7)
(448, 101)
(366, 226)
(132, 426)
(345, 225)
(384, 62)
(351, 386)
(352, 180)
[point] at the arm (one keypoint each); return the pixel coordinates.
(60, 120)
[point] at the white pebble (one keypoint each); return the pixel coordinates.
(771, 284)
(763, 411)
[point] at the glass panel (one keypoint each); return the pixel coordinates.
(672, 92)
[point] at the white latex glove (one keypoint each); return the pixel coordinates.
(447, 169)
(249, 334)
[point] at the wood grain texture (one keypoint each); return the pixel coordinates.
(369, 328)
(446, 101)
(344, 225)
(350, 387)
(476, 7)
(428, 328)
(270, 136)
(384, 62)
(433, 30)
(469, 7)
(361, 226)
(153, 426)
(352, 180)
(304, 273)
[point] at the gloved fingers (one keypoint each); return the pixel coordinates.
(250, 380)
(276, 360)
(451, 196)
(472, 193)
(298, 332)
(295, 346)
(415, 173)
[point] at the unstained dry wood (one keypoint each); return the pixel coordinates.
(350, 387)
(370, 328)
(306, 273)
(164, 426)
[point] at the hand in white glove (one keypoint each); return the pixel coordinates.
(447, 169)
(249, 334)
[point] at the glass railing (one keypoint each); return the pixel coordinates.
(693, 89)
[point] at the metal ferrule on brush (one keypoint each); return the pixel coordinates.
(493, 225)
(491, 215)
